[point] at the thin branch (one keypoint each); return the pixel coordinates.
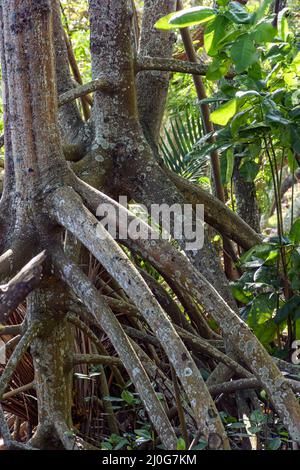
(200, 344)
(247, 384)
(163, 64)
(170, 65)
(216, 213)
(95, 359)
(82, 90)
(85, 100)
(11, 330)
(17, 391)
(12, 342)
(142, 336)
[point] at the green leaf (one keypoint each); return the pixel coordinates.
(185, 18)
(264, 32)
(254, 429)
(243, 53)
(274, 115)
(283, 26)
(224, 113)
(295, 138)
(238, 13)
(262, 10)
(287, 309)
(143, 433)
(240, 294)
(214, 32)
(217, 69)
(274, 444)
(249, 171)
(181, 444)
(230, 163)
(163, 23)
(128, 397)
(294, 234)
(266, 332)
(262, 309)
(258, 417)
(122, 442)
(200, 446)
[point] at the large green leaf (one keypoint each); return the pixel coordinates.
(295, 137)
(287, 309)
(264, 32)
(238, 13)
(295, 232)
(217, 69)
(249, 170)
(224, 113)
(185, 18)
(243, 52)
(214, 32)
(261, 11)
(283, 28)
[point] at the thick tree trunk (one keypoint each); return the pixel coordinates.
(152, 87)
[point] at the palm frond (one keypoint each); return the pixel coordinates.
(179, 146)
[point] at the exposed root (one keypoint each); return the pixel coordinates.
(13, 293)
(69, 439)
(9, 442)
(103, 316)
(175, 266)
(83, 225)
(15, 358)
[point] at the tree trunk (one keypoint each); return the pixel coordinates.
(246, 202)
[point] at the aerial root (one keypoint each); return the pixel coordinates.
(69, 439)
(72, 215)
(17, 289)
(107, 321)
(170, 263)
(30, 334)
(9, 442)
